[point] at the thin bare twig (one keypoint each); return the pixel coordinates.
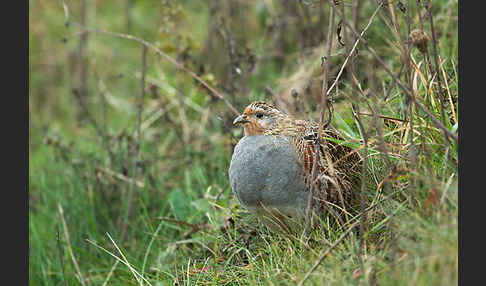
(354, 100)
(61, 254)
(168, 58)
(440, 89)
(352, 50)
(137, 144)
(121, 177)
(411, 151)
(230, 44)
(357, 116)
(82, 46)
(363, 183)
(323, 256)
(436, 122)
(357, 13)
(382, 116)
(282, 102)
(94, 123)
(310, 200)
(128, 14)
(421, 21)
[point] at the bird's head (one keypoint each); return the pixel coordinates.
(259, 117)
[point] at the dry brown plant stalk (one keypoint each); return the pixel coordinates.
(137, 144)
(70, 249)
(324, 106)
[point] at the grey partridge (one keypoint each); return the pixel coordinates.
(271, 167)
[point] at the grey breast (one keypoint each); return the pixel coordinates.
(265, 173)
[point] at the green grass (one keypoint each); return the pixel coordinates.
(185, 225)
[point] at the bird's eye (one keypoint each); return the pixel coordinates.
(259, 115)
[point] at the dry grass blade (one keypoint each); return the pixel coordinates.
(149, 247)
(66, 12)
(436, 61)
(110, 273)
(61, 254)
(121, 177)
(68, 241)
(134, 272)
(124, 261)
(363, 188)
(392, 119)
(185, 241)
(449, 95)
(323, 256)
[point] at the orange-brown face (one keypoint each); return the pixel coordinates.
(257, 118)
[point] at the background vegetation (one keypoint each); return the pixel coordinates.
(129, 151)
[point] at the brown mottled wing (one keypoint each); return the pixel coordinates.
(337, 163)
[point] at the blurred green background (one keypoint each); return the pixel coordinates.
(151, 171)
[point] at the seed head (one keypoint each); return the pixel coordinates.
(419, 39)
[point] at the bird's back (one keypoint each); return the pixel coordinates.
(338, 165)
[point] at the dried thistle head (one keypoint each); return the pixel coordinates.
(419, 39)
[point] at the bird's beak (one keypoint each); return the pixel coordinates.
(240, 120)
